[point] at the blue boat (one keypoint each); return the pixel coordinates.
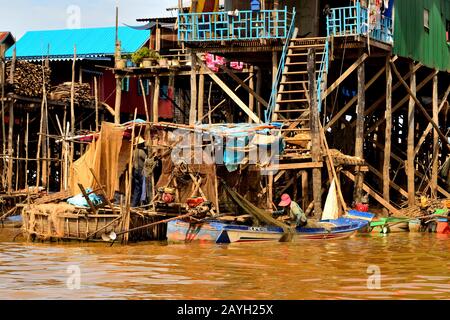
(229, 233)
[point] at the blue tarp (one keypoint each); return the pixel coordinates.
(80, 201)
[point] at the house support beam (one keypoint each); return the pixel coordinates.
(410, 145)
(435, 164)
(315, 134)
(359, 135)
(193, 106)
(388, 134)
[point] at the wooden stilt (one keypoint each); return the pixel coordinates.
(26, 149)
(17, 161)
(388, 135)
(144, 98)
(155, 104)
(96, 103)
(193, 106)
(305, 187)
(435, 165)
(2, 83)
(251, 98)
(315, 134)
(359, 142)
(258, 91)
(201, 96)
(410, 148)
(10, 145)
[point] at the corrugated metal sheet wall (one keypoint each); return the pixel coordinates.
(413, 40)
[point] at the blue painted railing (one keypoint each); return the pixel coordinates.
(273, 96)
(354, 20)
(322, 73)
(234, 25)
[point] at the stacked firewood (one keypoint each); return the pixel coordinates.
(427, 207)
(28, 78)
(82, 93)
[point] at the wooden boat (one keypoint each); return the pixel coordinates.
(182, 231)
(228, 233)
(389, 225)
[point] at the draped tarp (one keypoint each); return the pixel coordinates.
(107, 156)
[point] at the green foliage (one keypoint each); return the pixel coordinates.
(144, 53)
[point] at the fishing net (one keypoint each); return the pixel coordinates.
(259, 214)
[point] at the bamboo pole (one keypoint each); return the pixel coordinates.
(72, 104)
(435, 163)
(410, 148)
(193, 107)
(10, 145)
(26, 149)
(201, 96)
(388, 138)
(156, 99)
(2, 82)
(144, 97)
(17, 162)
(129, 181)
(96, 103)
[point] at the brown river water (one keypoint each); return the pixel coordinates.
(411, 266)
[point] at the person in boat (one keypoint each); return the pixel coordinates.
(139, 157)
(293, 210)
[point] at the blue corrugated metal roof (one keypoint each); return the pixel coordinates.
(90, 42)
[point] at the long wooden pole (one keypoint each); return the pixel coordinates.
(193, 106)
(315, 134)
(201, 96)
(144, 97)
(72, 105)
(2, 82)
(26, 149)
(388, 134)
(359, 141)
(156, 99)
(96, 103)
(410, 148)
(435, 164)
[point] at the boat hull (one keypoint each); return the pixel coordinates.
(181, 231)
(228, 233)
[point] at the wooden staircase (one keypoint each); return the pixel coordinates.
(292, 103)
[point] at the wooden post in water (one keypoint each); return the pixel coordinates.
(2, 83)
(411, 132)
(10, 145)
(96, 103)
(193, 108)
(388, 134)
(72, 106)
(359, 141)
(251, 98)
(201, 96)
(258, 90)
(315, 134)
(26, 149)
(435, 165)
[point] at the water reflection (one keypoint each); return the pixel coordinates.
(412, 266)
